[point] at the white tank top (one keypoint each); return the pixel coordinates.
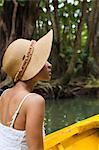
(13, 139)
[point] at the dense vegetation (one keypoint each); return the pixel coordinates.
(75, 51)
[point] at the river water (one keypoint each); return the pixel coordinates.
(62, 113)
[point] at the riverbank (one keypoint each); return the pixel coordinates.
(54, 90)
(73, 89)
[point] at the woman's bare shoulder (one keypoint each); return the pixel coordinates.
(38, 97)
(35, 99)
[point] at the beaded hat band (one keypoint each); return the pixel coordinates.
(25, 62)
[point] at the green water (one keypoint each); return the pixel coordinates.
(66, 112)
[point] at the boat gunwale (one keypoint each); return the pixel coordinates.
(70, 131)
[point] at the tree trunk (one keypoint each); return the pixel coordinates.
(12, 22)
(77, 43)
(58, 61)
(5, 26)
(95, 48)
(92, 45)
(29, 18)
(48, 11)
(13, 32)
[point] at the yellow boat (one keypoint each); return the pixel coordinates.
(83, 135)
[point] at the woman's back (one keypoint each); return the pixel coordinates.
(13, 120)
(21, 119)
(10, 101)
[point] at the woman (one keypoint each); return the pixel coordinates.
(22, 112)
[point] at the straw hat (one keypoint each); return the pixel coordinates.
(23, 59)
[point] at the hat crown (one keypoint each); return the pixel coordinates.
(14, 56)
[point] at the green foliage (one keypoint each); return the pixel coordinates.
(84, 35)
(69, 13)
(1, 3)
(92, 82)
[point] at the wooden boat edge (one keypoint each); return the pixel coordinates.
(67, 132)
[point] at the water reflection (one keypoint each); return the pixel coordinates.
(66, 112)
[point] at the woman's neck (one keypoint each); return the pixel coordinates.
(27, 85)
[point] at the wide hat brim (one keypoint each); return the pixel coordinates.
(39, 57)
(12, 59)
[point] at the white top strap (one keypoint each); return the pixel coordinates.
(4, 92)
(18, 109)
